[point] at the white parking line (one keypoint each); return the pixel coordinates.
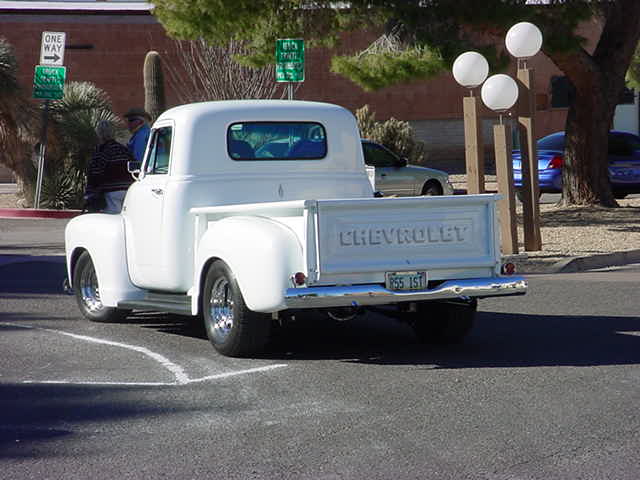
(181, 378)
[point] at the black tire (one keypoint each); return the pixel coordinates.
(520, 195)
(87, 292)
(432, 188)
(444, 322)
(232, 328)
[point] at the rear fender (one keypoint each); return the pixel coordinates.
(102, 235)
(261, 252)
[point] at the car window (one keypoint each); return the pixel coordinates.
(552, 142)
(623, 144)
(277, 141)
(619, 145)
(158, 159)
(378, 156)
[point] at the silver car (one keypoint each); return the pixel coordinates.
(395, 177)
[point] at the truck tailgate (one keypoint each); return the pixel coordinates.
(351, 241)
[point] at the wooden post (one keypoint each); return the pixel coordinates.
(473, 146)
(507, 205)
(529, 155)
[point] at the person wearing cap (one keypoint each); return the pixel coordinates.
(138, 124)
(107, 176)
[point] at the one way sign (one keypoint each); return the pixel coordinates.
(52, 48)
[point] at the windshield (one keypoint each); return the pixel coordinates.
(276, 141)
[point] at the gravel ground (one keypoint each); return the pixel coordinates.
(575, 231)
(566, 232)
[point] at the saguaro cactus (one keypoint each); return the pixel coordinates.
(154, 98)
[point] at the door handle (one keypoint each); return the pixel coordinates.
(157, 191)
(383, 174)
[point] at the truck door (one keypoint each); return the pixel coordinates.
(144, 212)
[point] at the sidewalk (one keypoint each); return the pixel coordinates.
(574, 239)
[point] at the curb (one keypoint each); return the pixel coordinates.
(37, 213)
(579, 264)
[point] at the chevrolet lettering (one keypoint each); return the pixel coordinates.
(246, 214)
(435, 233)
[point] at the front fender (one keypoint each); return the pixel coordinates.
(102, 235)
(261, 252)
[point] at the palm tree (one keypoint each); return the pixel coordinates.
(16, 117)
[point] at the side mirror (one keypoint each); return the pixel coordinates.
(402, 162)
(133, 166)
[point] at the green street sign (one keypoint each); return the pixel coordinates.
(290, 60)
(48, 82)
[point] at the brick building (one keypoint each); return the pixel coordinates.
(106, 43)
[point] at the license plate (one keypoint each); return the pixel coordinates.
(406, 280)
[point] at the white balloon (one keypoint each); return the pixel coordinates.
(523, 40)
(470, 69)
(499, 92)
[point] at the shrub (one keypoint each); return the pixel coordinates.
(397, 135)
(71, 142)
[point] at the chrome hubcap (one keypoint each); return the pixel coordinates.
(89, 290)
(221, 310)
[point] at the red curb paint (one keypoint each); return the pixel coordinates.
(34, 213)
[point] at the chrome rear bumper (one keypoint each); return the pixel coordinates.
(356, 295)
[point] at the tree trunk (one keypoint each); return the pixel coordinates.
(585, 174)
(597, 82)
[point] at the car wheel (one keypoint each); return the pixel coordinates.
(87, 292)
(232, 328)
(444, 322)
(520, 195)
(432, 188)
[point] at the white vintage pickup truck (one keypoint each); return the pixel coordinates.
(246, 212)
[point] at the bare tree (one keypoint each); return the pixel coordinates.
(204, 72)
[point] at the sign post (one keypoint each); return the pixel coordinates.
(290, 62)
(48, 84)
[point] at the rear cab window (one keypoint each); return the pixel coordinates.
(276, 141)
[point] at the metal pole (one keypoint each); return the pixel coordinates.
(290, 91)
(43, 149)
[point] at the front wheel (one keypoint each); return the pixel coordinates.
(232, 328)
(520, 195)
(87, 292)
(444, 322)
(432, 188)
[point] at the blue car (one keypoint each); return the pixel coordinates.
(624, 163)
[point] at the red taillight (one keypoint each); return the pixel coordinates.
(508, 269)
(300, 278)
(555, 162)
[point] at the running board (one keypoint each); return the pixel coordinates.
(179, 303)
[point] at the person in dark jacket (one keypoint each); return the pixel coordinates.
(107, 173)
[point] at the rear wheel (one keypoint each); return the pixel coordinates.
(520, 195)
(432, 188)
(87, 292)
(232, 328)
(444, 322)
